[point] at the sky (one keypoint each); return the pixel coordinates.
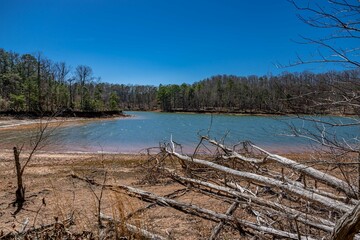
(159, 41)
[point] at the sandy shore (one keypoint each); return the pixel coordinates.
(7, 123)
(47, 179)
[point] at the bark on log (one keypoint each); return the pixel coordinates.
(135, 230)
(215, 232)
(305, 218)
(330, 180)
(306, 194)
(195, 210)
(175, 194)
(347, 226)
(350, 191)
(20, 191)
(234, 154)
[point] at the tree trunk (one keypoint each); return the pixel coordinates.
(215, 232)
(348, 225)
(358, 176)
(20, 191)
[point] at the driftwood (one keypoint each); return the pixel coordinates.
(328, 202)
(172, 195)
(280, 197)
(134, 229)
(24, 233)
(313, 221)
(332, 181)
(348, 225)
(220, 225)
(194, 210)
(324, 199)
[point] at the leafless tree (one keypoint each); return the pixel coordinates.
(339, 20)
(38, 140)
(61, 70)
(83, 74)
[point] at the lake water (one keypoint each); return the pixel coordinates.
(148, 129)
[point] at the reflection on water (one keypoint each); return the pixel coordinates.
(148, 129)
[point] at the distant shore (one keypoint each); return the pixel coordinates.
(250, 113)
(64, 113)
(21, 120)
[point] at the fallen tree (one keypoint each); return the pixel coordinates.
(268, 195)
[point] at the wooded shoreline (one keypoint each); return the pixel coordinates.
(66, 114)
(34, 83)
(256, 113)
(114, 114)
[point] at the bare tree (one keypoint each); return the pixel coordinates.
(62, 70)
(37, 141)
(83, 74)
(339, 20)
(71, 92)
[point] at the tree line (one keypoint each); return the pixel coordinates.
(304, 92)
(34, 83)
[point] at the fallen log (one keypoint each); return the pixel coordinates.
(134, 229)
(305, 218)
(306, 194)
(347, 226)
(172, 195)
(350, 191)
(215, 232)
(315, 190)
(233, 154)
(195, 210)
(67, 222)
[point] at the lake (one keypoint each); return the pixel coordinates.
(148, 129)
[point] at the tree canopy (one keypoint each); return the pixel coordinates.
(34, 83)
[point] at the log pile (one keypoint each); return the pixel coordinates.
(268, 196)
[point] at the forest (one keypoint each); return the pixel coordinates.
(34, 83)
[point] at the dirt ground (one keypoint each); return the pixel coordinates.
(52, 193)
(7, 123)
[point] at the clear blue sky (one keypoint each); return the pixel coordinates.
(157, 41)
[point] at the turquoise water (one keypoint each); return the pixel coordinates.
(149, 129)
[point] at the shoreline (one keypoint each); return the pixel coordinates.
(41, 154)
(12, 122)
(235, 113)
(143, 151)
